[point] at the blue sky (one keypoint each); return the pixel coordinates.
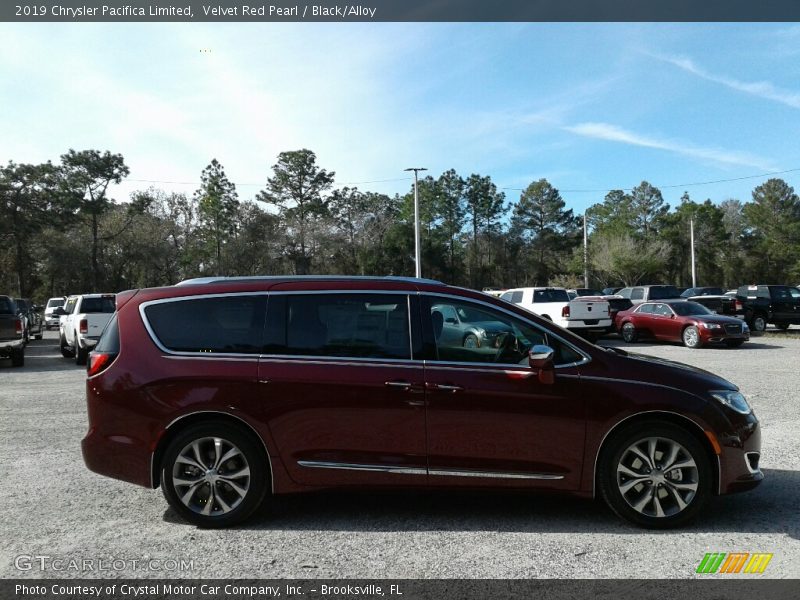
(587, 106)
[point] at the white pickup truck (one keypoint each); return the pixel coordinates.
(588, 317)
(81, 322)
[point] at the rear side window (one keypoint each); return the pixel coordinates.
(514, 297)
(6, 306)
(104, 304)
(340, 325)
(550, 296)
(232, 324)
(109, 340)
(637, 293)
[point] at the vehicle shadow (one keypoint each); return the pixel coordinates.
(770, 508)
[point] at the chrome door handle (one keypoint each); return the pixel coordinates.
(440, 387)
(403, 385)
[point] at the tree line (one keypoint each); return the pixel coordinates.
(61, 231)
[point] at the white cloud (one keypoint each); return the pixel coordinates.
(612, 133)
(761, 89)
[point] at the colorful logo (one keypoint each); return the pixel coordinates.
(734, 562)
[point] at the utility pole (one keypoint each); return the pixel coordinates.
(585, 254)
(691, 235)
(417, 257)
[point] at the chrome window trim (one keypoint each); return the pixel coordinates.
(405, 470)
(647, 412)
(342, 360)
(586, 357)
(216, 412)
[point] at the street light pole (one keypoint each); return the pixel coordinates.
(417, 257)
(585, 254)
(691, 237)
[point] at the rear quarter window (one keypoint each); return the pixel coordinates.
(232, 324)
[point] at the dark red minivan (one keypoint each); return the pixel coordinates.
(224, 391)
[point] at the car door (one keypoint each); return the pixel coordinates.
(785, 303)
(490, 420)
(343, 389)
(642, 319)
(665, 322)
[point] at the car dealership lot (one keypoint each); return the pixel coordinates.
(55, 507)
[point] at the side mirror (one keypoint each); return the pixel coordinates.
(540, 357)
(673, 316)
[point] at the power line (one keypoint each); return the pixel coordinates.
(264, 184)
(675, 185)
(513, 189)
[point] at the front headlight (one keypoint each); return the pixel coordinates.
(733, 400)
(745, 327)
(712, 325)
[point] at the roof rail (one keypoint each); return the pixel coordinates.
(246, 278)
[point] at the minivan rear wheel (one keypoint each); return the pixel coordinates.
(655, 475)
(214, 475)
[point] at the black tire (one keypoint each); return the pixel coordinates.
(691, 337)
(629, 333)
(782, 326)
(734, 343)
(616, 452)
(66, 351)
(81, 355)
(758, 323)
(252, 456)
(18, 358)
(471, 341)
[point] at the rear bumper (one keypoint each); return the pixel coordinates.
(9, 346)
(600, 325)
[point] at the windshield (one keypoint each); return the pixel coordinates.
(661, 292)
(690, 309)
(53, 302)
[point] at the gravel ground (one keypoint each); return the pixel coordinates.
(53, 506)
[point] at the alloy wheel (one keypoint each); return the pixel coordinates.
(211, 476)
(657, 477)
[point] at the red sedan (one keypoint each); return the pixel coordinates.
(681, 321)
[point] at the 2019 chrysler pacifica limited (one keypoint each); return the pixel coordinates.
(224, 391)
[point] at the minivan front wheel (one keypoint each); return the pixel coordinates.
(214, 475)
(656, 476)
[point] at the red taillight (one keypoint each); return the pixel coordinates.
(98, 362)
(737, 305)
(84, 326)
(565, 312)
(18, 326)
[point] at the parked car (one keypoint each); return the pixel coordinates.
(82, 320)
(493, 292)
(33, 320)
(458, 326)
(644, 293)
(611, 291)
(226, 391)
(12, 332)
(579, 292)
(616, 305)
(681, 321)
(714, 299)
(702, 291)
(763, 304)
(51, 320)
(588, 317)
